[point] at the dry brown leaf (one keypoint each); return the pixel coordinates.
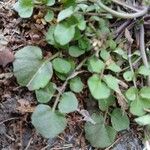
(6, 56)
(121, 101)
(24, 106)
(128, 36)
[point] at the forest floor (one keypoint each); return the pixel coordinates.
(17, 103)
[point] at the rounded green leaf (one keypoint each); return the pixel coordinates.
(49, 16)
(62, 77)
(68, 103)
(128, 75)
(75, 51)
(144, 71)
(48, 123)
(145, 92)
(64, 33)
(50, 35)
(144, 120)
(65, 13)
(50, 2)
(24, 8)
(99, 135)
(61, 65)
(137, 106)
(76, 84)
(29, 68)
(105, 55)
(105, 103)
(114, 67)
(131, 93)
(119, 120)
(98, 89)
(45, 94)
(112, 82)
(95, 65)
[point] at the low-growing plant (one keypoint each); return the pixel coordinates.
(83, 43)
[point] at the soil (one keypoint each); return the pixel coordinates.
(17, 103)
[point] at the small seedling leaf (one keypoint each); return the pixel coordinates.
(145, 92)
(48, 123)
(76, 84)
(68, 103)
(98, 89)
(144, 120)
(131, 93)
(95, 65)
(65, 13)
(119, 120)
(64, 33)
(61, 65)
(45, 94)
(99, 135)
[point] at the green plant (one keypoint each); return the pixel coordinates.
(74, 35)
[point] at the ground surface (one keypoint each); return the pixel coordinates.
(17, 103)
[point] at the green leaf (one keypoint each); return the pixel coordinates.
(137, 106)
(121, 52)
(50, 2)
(112, 44)
(131, 93)
(144, 71)
(84, 43)
(61, 76)
(50, 35)
(145, 92)
(61, 65)
(112, 82)
(105, 103)
(30, 69)
(119, 120)
(75, 51)
(49, 16)
(98, 89)
(45, 94)
(128, 75)
(48, 123)
(76, 84)
(99, 135)
(95, 65)
(24, 8)
(114, 67)
(68, 103)
(81, 22)
(144, 120)
(64, 33)
(65, 13)
(105, 55)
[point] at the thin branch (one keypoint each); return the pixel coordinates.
(125, 5)
(123, 15)
(131, 65)
(53, 56)
(142, 49)
(62, 89)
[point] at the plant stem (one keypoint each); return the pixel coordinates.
(130, 64)
(125, 5)
(53, 56)
(122, 14)
(63, 87)
(142, 49)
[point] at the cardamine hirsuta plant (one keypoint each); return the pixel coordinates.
(87, 40)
